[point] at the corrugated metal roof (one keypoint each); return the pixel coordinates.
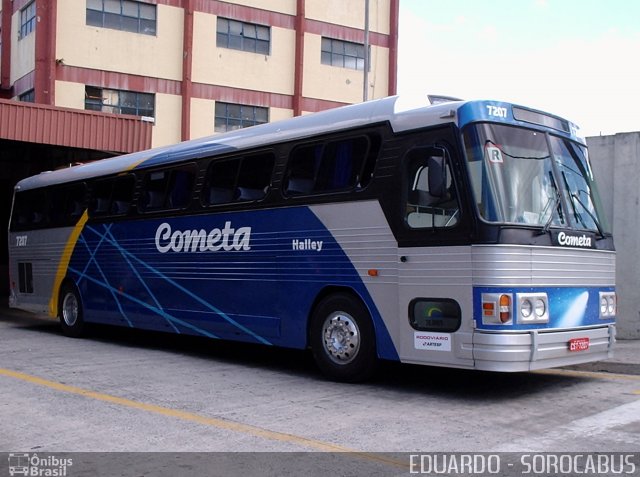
(44, 124)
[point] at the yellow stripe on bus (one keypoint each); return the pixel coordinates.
(64, 264)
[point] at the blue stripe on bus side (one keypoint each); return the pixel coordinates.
(260, 290)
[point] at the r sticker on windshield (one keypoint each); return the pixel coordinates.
(494, 154)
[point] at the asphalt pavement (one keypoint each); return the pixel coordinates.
(625, 360)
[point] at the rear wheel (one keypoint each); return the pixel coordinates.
(70, 311)
(342, 339)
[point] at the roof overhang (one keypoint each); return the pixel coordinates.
(42, 124)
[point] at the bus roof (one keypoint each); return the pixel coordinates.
(400, 115)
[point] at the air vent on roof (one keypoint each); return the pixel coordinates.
(437, 99)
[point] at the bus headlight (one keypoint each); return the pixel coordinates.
(603, 305)
(541, 307)
(608, 305)
(533, 308)
(526, 308)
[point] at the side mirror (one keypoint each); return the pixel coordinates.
(437, 176)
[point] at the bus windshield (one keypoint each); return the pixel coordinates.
(523, 176)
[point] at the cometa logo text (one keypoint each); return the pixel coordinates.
(574, 240)
(227, 239)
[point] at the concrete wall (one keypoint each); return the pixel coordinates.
(241, 69)
(616, 166)
(350, 13)
(23, 52)
(105, 49)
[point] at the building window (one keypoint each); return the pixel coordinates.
(243, 36)
(344, 54)
(119, 102)
(28, 96)
(230, 117)
(27, 19)
(126, 15)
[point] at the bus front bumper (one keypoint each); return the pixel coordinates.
(537, 349)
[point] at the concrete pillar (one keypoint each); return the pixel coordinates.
(616, 166)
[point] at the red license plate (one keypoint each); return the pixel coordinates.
(578, 344)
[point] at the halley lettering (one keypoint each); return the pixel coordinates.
(307, 244)
(574, 240)
(226, 239)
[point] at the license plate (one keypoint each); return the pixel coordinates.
(578, 344)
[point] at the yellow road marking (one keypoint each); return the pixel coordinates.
(588, 374)
(197, 418)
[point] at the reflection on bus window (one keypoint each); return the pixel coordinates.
(431, 198)
(238, 179)
(331, 166)
(168, 188)
(112, 197)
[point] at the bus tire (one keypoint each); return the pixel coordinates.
(70, 311)
(343, 339)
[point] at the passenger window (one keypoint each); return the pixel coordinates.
(112, 197)
(31, 210)
(238, 179)
(431, 198)
(330, 166)
(168, 188)
(67, 204)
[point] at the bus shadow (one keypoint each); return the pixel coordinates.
(391, 376)
(466, 383)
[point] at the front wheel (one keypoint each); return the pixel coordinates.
(342, 339)
(70, 312)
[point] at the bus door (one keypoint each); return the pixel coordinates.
(434, 277)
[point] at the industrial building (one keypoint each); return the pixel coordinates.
(84, 80)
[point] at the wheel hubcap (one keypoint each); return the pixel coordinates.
(70, 309)
(341, 337)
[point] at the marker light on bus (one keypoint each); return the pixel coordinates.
(505, 308)
(497, 308)
(608, 305)
(533, 307)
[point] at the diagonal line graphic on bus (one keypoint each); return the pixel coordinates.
(104, 277)
(107, 231)
(92, 253)
(160, 312)
(180, 288)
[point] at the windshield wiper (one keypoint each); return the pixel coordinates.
(575, 198)
(591, 214)
(553, 201)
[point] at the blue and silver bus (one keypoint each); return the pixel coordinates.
(466, 234)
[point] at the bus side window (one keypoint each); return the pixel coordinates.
(254, 178)
(238, 179)
(331, 166)
(431, 198)
(31, 210)
(122, 195)
(111, 197)
(220, 182)
(67, 204)
(180, 189)
(168, 189)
